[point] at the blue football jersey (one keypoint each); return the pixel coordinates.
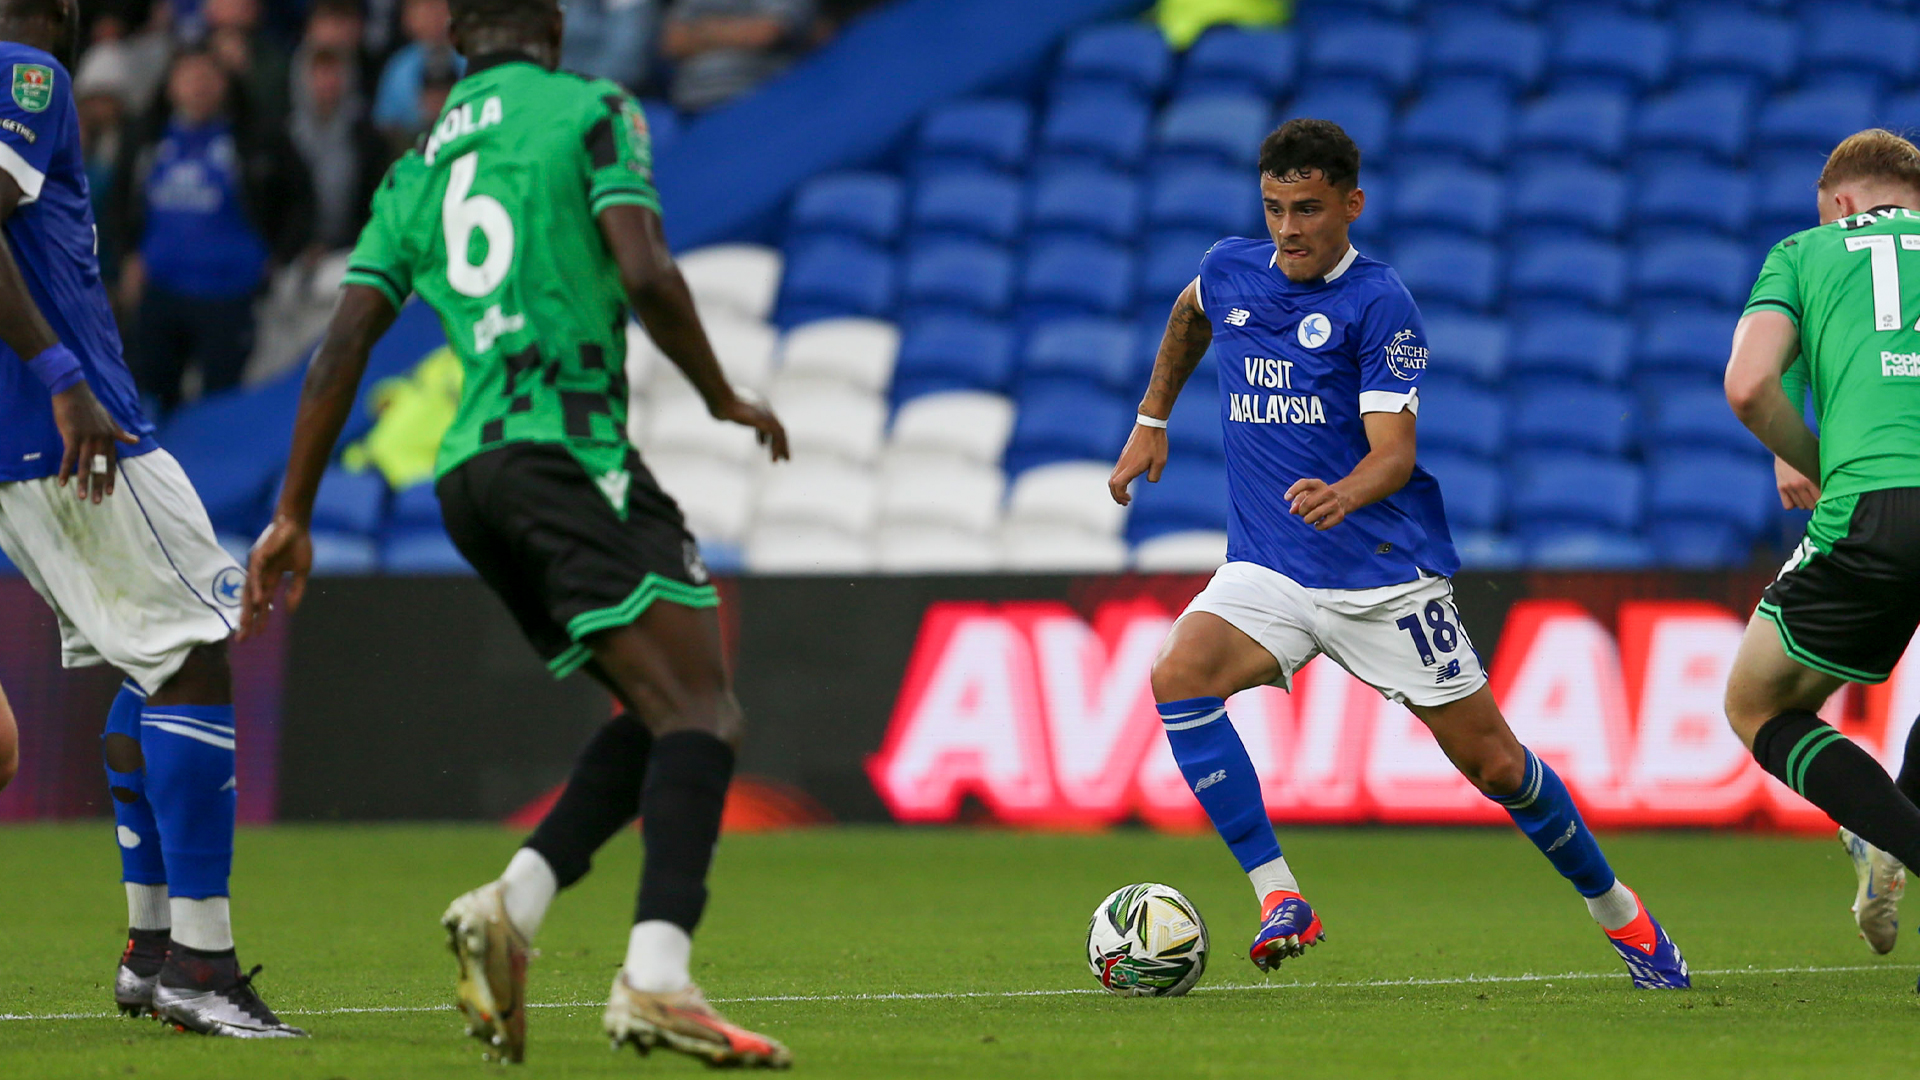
(1299, 363)
(52, 237)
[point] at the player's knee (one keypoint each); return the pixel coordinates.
(1178, 675)
(716, 713)
(1500, 770)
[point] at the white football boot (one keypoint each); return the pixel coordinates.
(684, 1021)
(211, 997)
(1876, 900)
(493, 956)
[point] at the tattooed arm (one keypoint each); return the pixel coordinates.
(1185, 342)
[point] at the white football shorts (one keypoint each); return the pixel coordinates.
(136, 581)
(1405, 641)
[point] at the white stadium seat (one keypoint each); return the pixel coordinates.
(859, 352)
(1070, 494)
(1052, 548)
(715, 495)
(945, 492)
(1181, 552)
(802, 549)
(833, 420)
(745, 349)
(744, 277)
(677, 423)
(827, 494)
(923, 550)
(965, 423)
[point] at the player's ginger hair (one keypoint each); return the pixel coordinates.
(1874, 156)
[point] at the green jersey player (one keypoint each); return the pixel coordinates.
(1837, 308)
(528, 220)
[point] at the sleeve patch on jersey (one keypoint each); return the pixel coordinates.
(600, 146)
(20, 129)
(33, 86)
(1405, 358)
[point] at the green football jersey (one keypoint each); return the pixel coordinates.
(491, 220)
(1853, 289)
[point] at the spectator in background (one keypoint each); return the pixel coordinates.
(100, 96)
(396, 105)
(142, 41)
(260, 65)
(721, 49)
(609, 39)
(345, 156)
(436, 82)
(340, 27)
(205, 203)
(1183, 21)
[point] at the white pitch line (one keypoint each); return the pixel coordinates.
(1468, 980)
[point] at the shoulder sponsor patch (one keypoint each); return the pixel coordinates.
(32, 86)
(1405, 357)
(10, 124)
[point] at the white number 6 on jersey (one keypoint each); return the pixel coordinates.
(459, 216)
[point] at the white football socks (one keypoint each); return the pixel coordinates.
(1614, 908)
(202, 924)
(530, 887)
(657, 957)
(147, 907)
(1272, 877)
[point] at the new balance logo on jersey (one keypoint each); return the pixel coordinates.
(493, 326)
(460, 123)
(1209, 780)
(1904, 364)
(1238, 316)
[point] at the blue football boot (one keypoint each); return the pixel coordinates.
(1286, 930)
(1652, 959)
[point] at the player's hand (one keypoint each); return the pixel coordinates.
(1320, 503)
(1145, 452)
(1796, 491)
(92, 441)
(766, 426)
(285, 548)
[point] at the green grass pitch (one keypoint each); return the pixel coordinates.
(937, 953)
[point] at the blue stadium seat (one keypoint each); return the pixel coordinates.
(1900, 113)
(1698, 545)
(1487, 551)
(1464, 273)
(1589, 419)
(1711, 488)
(1584, 549)
(986, 205)
(663, 124)
(350, 502)
(1783, 201)
(1383, 54)
(1681, 195)
(836, 277)
(1467, 345)
(1231, 59)
(1225, 129)
(1550, 491)
(1078, 275)
(1372, 225)
(1689, 341)
(1098, 202)
(1060, 424)
(965, 274)
(1573, 346)
(1709, 120)
(1484, 47)
(1217, 201)
(993, 132)
(1811, 122)
(1195, 427)
(1364, 113)
(1694, 267)
(1570, 197)
(1472, 123)
(1320, 13)
(1589, 272)
(422, 552)
(1471, 200)
(344, 554)
(1761, 51)
(1613, 50)
(866, 206)
(1129, 56)
(1110, 129)
(1170, 261)
(952, 352)
(1463, 419)
(1474, 492)
(1590, 122)
(1859, 45)
(415, 509)
(1082, 353)
(1698, 419)
(1191, 494)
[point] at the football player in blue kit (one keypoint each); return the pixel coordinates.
(1337, 539)
(130, 567)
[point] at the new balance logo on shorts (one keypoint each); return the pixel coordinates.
(1209, 780)
(1448, 670)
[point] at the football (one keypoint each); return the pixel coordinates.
(1147, 940)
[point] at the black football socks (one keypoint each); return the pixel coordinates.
(680, 805)
(601, 797)
(1833, 773)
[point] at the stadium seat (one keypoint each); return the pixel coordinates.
(414, 508)
(946, 493)
(1761, 51)
(1488, 551)
(990, 132)
(1900, 113)
(1381, 53)
(1736, 490)
(1709, 120)
(1062, 551)
(678, 423)
(1463, 419)
(1612, 50)
(716, 496)
(1576, 346)
(1589, 122)
(1572, 417)
(1589, 272)
(742, 277)
(921, 550)
(1783, 199)
(1693, 196)
(1467, 199)
(967, 275)
(350, 502)
(1068, 495)
(1571, 197)
(1126, 56)
(1860, 45)
(1473, 491)
(833, 420)
(1698, 545)
(805, 549)
(1364, 113)
(422, 553)
(1106, 129)
(1098, 202)
(823, 494)
(953, 352)
(858, 352)
(745, 349)
(967, 424)
(1696, 267)
(835, 278)
(1698, 419)
(1080, 353)
(1195, 427)
(866, 206)
(1065, 425)
(1214, 201)
(1465, 273)
(334, 555)
(1373, 224)
(1687, 340)
(1231, 59)
(1171, 260)
(1075, 275)
(1225, 129)
(1320, 13)
(1484, 47)
(1553, 491)
(1467, 345)
(979, 204)
(1811, 122)
(1191, 494)
(1195, 551)
(1589, 550)
(1472, 123)
(663, 124)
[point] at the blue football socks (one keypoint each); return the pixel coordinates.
(134, 827)
(191, 785)
(1221, 775)
(1544, 810)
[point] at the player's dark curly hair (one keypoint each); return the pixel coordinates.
(530, 14)
(1303, 145)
